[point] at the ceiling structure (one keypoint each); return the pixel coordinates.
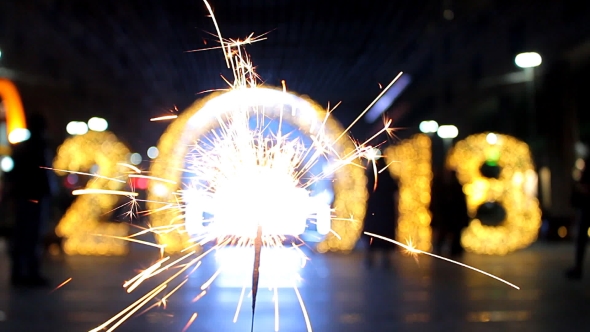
(97, 55)
(129, 61)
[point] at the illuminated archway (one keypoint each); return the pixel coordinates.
(348, 185)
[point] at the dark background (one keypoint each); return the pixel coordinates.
(127, 61)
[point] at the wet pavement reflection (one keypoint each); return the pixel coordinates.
(338, 292)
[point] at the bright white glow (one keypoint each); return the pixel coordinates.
(72, 127)
(517, 179)
(256, 172)
(492, 138)
(153, 152)
(528, 60)
(279, 267)
(196, 203)
(324, 219)
(6, 164)
(447, 131)
(531, 183)
(428, 126)
(160, 190)
(135, 158)
(264, 192)
(372, 153)
(97, 124)
(19, 135)
(581, 149)
(77, 128)
(239, 99)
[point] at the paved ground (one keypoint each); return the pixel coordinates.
(339, 293)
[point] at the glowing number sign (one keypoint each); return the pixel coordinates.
(310, 119)
(81, 224)
(412, 167)
(514, 188)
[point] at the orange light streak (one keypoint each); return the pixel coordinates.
(61, 285)
(190, 321)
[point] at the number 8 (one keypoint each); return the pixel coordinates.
(514, 188)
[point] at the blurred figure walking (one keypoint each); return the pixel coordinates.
(581, 201)
(30, 187)
(450, 215)
(381, 215)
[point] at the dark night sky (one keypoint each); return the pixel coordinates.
(127, 60)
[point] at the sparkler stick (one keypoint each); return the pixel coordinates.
(256, 271)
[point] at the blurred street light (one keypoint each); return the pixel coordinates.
(97, 124)
(6, 164)
(528, 60)
(19, 135)
(492, 138)
(135, 158)
(77, 128)
(428, 126)
(447, 131)
(153, 152)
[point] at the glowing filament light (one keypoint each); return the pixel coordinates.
(251, 167)
(257, 156)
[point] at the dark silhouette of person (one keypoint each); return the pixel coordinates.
(437, 203)
(381, 214)
(450, 215)
(30, 188)
(581, 201)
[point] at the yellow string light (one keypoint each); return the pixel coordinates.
(85, 221)
(515, 190)
(410, 163)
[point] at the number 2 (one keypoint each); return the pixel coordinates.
(83, 225)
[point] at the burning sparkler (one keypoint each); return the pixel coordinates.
(253, 180)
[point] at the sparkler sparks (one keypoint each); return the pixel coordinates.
(256, 168)
(61, 285)
(164, 117)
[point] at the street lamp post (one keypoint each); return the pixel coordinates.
(529, 61)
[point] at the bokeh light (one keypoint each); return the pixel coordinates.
(7, 164)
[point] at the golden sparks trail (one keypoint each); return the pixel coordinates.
(164, 117)
(413, 250)
(61, 285)
(255, 180)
